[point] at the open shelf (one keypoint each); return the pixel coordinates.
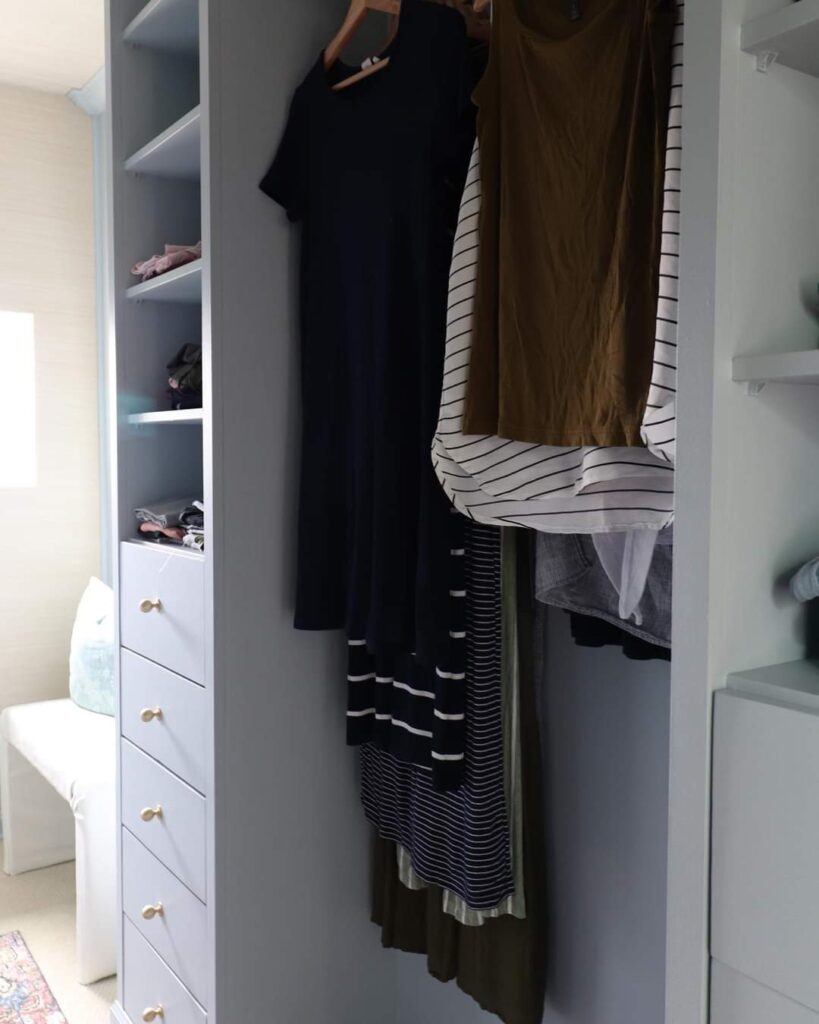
(181, 285)
(176, 153)
(778, 367)
(795, 683)
(166, 25)
(789, 35)
(183, 417)
(166, 545)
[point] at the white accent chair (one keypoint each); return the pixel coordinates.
(58, 802)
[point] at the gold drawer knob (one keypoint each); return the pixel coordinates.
(152, 911)
(149, 604)
(149, 813)
(153, 1013)
(149, 714)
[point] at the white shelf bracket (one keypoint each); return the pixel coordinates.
(764, 59)
(755, 387)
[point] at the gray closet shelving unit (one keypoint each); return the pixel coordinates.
(254, 842)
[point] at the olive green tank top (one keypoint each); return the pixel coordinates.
(572, 120)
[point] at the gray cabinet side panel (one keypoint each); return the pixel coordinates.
(291, 848)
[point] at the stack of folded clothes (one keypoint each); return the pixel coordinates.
(180, 521)
(173, 256)
(185, 378)
(193, 519)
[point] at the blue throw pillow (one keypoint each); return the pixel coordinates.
(91, 662)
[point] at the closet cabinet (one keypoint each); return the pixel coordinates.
(741, 931)
(242, 846)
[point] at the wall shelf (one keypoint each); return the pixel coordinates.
(176, 153)
(795, 683)
(183, 417)
(777, 368)
(166, 25)
(789, 36)
(181, 285)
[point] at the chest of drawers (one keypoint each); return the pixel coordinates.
(163, 715)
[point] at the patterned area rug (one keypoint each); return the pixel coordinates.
(25, 998)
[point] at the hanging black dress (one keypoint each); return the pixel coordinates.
(374, 172)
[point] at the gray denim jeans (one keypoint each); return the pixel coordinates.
(569, 575)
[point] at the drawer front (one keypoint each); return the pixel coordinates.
(149, 984)
(736, 999)
(176, 834)
(166, 716)
(171, 633)
(764, 836)
(167, 914)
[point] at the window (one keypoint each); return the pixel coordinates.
(18, 442)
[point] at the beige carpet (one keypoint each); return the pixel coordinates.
(40, 904)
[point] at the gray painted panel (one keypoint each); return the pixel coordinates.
(291, 847)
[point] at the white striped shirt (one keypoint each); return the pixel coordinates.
(564, 490)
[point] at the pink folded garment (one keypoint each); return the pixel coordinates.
(171, 532)
(173, 256)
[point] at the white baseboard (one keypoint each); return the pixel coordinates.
(118, 1015)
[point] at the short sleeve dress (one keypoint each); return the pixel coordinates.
(374, 174)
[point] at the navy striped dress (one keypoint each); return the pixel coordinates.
(415, 712)
(458, 840)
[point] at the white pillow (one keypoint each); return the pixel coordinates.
(91, 662)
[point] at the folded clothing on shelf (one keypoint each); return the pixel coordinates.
(193, 517)
(156, 532)
(173, 256)
(165, 513)
(185, 378)
(805, 583)
(194, 539)
(181, 522)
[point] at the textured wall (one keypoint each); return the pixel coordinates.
(49, 534)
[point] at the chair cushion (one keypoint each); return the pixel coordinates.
(72, 748)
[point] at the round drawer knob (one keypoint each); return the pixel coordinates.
(153, 1013)
(149, 714)
(149, 604)
(152, 911)
(149, 813)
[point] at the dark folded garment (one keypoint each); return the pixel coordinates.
(181, 401)
(185, 378)
(192, 516)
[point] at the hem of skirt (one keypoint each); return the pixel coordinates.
(448, 977)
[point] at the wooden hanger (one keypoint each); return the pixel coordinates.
(355, 15)
(477, 28)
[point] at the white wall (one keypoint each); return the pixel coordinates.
(49, 534)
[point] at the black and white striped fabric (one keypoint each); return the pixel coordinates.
(552, 489)
(417, 712)
(660, 421)
(458, 840)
